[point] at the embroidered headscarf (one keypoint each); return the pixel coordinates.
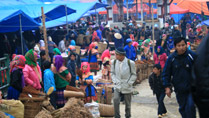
(17, 62)
(106, 53)
(30, 57)
(88, 67)
(91, 46)
(56, 51)
(58, 62)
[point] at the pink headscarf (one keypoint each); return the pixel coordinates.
(88, 67)
(91, 46)
(106, 53)
(135, 44)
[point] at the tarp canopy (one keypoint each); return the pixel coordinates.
(11, 23)
(57, 12)
(80, 8)
(174, 9)
(206, 22)
(194, 6)
(98, 5)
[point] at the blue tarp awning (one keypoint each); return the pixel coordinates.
(206, 22)
(11, 23)
(98, 5)
(57, 12)
(81, 10)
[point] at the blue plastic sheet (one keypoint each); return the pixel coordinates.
(11, 23)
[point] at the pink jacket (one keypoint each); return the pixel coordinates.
(162, 60)
(31, 78)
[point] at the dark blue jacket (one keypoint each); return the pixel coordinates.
(177, 71)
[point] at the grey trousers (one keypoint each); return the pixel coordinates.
(127, 98)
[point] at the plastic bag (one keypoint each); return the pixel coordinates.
(93, 108)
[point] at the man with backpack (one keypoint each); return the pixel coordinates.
(123, 74)
(178, 73)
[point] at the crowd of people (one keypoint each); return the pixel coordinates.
(64, 67)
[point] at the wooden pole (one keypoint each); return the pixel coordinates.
(45, 34)
(153, 33)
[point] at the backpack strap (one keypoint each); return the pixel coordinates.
(129, 64)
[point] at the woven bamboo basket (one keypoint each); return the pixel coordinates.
(102, 47)
(78, 49)
(99, 95)
(108, 94)
(32, 106)
(106, 110)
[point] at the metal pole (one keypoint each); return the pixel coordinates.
(136, 10)
(153, 34)
(127, 9)
(66, 18)
(141, 11)
(95, 13)
(21, 34)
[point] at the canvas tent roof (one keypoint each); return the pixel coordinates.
(194, 6)
(174, 9)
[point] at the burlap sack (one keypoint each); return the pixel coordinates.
(13, 107)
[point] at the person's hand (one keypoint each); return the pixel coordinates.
(168, 92)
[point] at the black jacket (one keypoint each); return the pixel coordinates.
(178, 71)
(16, 79)
(201, 69)
(156, 83)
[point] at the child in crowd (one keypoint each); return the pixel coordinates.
(156, 84)
(106, 64)
(71, 65)
(49, 82)
(86, 82)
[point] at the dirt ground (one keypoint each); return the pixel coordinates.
(144, 105)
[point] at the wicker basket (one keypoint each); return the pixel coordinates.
(102, 47)
(32, 106)
(78, 49)
(108, 94)
(80, 39)
(106, 110)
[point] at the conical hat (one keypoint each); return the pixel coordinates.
(117, 35)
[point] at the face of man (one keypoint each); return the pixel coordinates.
(156, 71)
(181, 47)
(119, 57)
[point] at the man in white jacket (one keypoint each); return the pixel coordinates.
(123, 73)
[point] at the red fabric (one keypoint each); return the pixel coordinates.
(85, 64)
(106, 53)
(162, 59)
(132, 37)
(174, 9)
(94, 35)
(18, 61)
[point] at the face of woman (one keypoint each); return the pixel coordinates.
(158, 49)
(84, 68)
(54, 60)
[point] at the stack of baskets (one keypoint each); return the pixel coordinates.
(143, 70)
